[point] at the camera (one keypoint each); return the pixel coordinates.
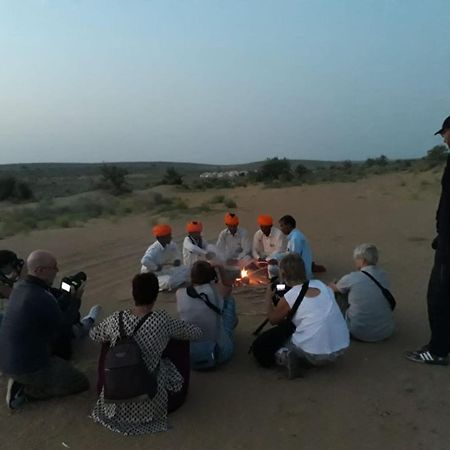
(73, 281)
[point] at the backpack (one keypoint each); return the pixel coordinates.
(126, 375)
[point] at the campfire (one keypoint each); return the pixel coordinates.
(248, 277)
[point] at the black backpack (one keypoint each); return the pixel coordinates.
(126, 375)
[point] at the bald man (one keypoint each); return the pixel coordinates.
(32, 320)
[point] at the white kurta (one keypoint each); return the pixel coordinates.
(162, 258)
(192, 252)
(237, 246)
(268, 246)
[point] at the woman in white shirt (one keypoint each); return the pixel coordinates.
(321, 334)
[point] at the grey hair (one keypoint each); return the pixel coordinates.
(292, 269)
(367, 252)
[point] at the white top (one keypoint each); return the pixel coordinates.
(157, 255)
(267, 246)
(369, 316)
(320, 326)
(193, 252)
(237, 246)
(196, 312)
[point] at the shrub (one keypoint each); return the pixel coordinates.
(114, 179)
(229, 203)
(11, 189)
(172, 177)
(217, 199)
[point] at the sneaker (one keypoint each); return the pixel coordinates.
(94, 312)
(15, 395)
(287, 358)
(425, 356)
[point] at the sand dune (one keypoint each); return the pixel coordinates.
(372, 399)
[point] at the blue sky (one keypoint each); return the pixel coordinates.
(226, 81)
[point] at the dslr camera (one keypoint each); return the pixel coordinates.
(73, 281)
(279, 288)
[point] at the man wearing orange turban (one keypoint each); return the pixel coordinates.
(268, 240)
(233, 242)
(194, 246)
(163, 259)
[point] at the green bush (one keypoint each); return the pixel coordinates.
(229, 203)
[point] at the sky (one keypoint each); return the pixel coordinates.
(221, 81)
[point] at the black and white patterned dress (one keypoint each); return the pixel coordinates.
(147, 416)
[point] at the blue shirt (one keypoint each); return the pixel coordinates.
(297, 243)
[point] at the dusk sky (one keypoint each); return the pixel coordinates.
(221, 81)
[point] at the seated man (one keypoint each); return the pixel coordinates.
(195, 247)
(297, 243)
(163, 259)
(369, 315)
(234, 243)
(31, 322)
(72, 326)
(268, 242)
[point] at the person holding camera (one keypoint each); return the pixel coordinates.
(208, 304)
(68, 298)
(10, 270)
(310, 329)
(368, 313)
(31, 323)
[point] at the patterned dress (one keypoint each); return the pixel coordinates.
(149, 416)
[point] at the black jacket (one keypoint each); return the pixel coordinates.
(32, 320)
(443, 215)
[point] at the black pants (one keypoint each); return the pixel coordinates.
(438, 298)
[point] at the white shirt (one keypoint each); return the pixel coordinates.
(237, 246)
(320, 326)
(157, 255)
(267, 246)
(192, 252)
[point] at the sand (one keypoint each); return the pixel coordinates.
(373, 398)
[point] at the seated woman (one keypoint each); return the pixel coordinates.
(155, 339)
(211, 307)
(320, 335)
(367, 311)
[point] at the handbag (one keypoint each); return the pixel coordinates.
(267, 343)
(386, 292)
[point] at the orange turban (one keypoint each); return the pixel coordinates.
(265, 221)
(161, 230)
(194, 227)
(231, 219)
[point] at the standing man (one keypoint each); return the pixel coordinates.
(297, 242)
(32, 320)
(438, 295)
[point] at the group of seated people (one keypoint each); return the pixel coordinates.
(233, 248)
(313, 321)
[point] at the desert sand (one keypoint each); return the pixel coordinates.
(373, 398)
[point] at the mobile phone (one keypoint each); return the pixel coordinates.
(65, 286)
(281, 287)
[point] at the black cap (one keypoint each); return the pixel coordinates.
(7, 257)
(445, 126)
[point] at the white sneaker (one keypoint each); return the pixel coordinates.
(94, 312)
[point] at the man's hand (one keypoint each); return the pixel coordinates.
(434, 243)
(333, 286)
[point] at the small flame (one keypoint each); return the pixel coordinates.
(244, 273)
